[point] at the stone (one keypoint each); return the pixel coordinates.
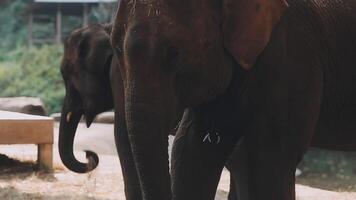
(26, 105)
(105, 117)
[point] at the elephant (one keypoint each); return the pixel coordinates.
(297, 87)
(86, 65)
(90, 37)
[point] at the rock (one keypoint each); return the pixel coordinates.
(27, 105)
(298, 172)
(106, 118)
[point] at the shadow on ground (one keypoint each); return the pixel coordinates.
(15, 169)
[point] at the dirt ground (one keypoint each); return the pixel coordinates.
(19, 181)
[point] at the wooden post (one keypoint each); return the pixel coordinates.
(30, 29)
(18, 128)
(59, 24)
(45, 157)
(85, 15)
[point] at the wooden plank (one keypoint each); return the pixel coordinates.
(16, 128)
(45, 157)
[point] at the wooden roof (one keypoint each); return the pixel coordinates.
(68, 7)
(74, 1)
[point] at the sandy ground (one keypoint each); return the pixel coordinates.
(105, 183)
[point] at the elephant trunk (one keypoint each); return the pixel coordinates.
(148, 135)
(70, 118)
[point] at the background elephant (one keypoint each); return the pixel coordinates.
(87, 64)
(216, 117)
(85, 68)
(298, 90)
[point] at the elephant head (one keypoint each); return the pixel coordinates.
(85, 69)
(178, 54)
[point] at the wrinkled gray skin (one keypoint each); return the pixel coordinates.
(218, 116)
(299, 88)
(164, 71)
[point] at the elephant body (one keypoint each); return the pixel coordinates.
(209, 118)
(279, 73)
(332, 46)
(300, 93)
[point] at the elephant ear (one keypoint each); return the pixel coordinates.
(248, 25)
(75, 46)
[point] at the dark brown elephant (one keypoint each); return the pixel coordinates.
(298, 89)
(90, 66)
(85, 68)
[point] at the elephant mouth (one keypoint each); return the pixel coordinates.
(89, 118)
(90, 112)
(67, 129)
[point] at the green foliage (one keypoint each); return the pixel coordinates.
(13, 24)
(333, 162)
(33, 72)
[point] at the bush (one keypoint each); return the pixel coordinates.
(33, 72)
(13, 30)
(13, 22)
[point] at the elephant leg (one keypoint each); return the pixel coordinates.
(276, 143)
(232, 192)
(237, 165)
(206, 137)
(277, 137)
(198, 160)
(131, 181)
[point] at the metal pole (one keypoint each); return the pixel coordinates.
(30, 29)
(85, 15)
(59, 24)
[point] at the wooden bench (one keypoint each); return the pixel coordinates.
(17, 128)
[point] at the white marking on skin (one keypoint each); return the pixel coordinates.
(157, 12)
(176, 128)
(207, 137)
(219, 138)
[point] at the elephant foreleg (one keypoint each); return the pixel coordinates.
(198, 159)
(278, 135)
(238, 172)
(232, 192)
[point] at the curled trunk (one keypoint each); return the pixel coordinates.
(68, 126)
